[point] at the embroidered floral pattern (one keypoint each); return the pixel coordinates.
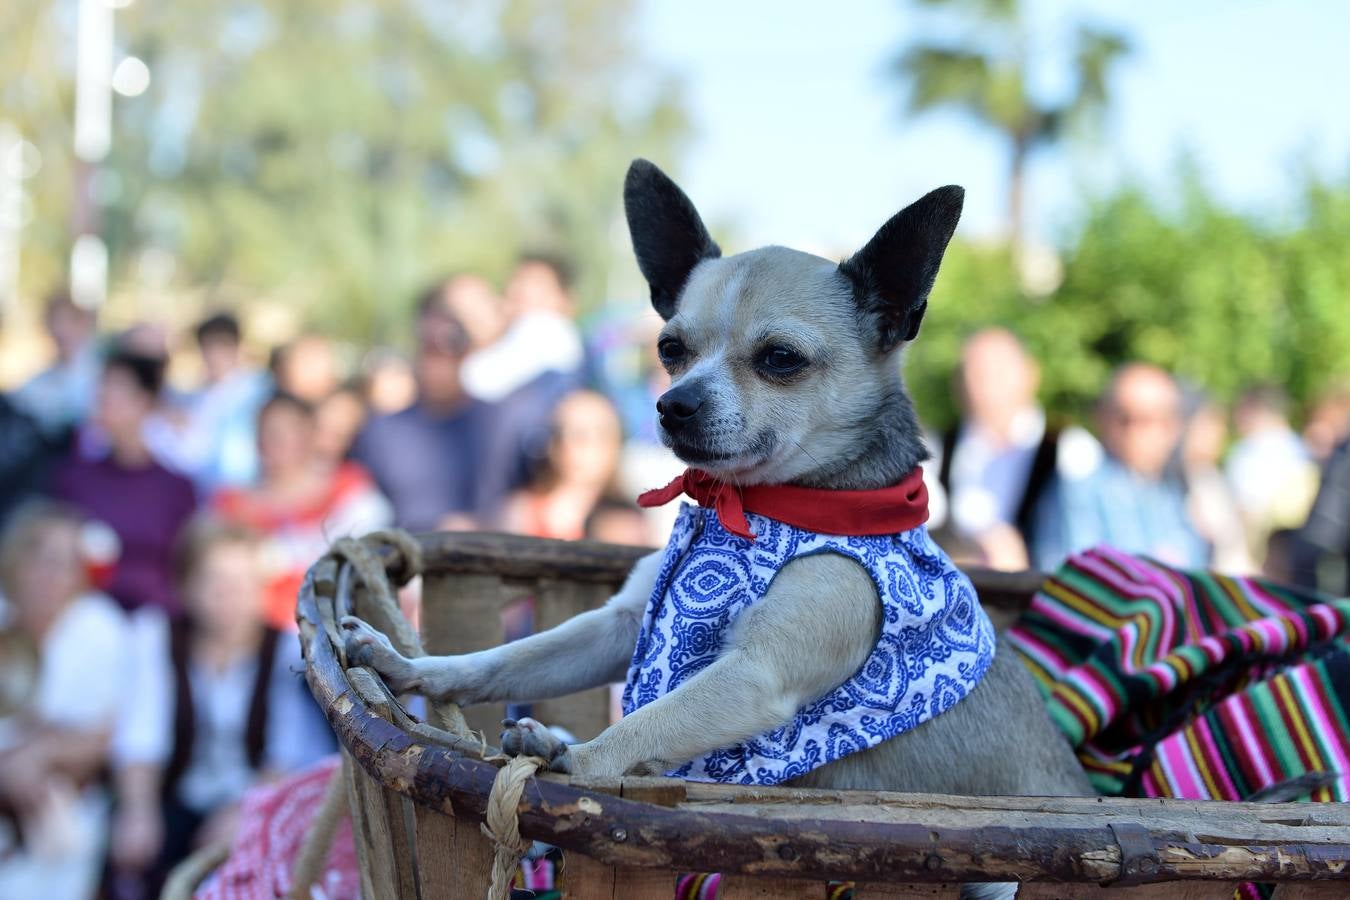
(936, 642)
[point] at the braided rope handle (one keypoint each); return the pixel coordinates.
(502, 824)
(382, 610)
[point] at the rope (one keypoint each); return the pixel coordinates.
(314, 851)
(383, 610)
(503, 825)
(407, 563)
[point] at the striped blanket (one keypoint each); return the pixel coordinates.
(1191, 684)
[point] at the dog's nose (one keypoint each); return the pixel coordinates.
(678, 406)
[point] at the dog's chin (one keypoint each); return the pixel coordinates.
(727, 463)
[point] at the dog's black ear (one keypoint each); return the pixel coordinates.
(893, 274)
(668, 236)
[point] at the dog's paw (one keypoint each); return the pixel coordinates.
(367, 647)
(530, 738)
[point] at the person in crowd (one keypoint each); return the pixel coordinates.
(26, 457)
(145, 339)
(1209, 497)
(614, 521)
(579, 470)
(60, 397)
(1129, 500)
(388, 383)
(337, 422)
(301, 502)
(995, 464)
(540, 336)
(431, 459)
(1271, 473)
(472, 300)
(538, 360)
(1328, 421)
(212, 439)
(215, 707)
(1321, 552)
(63, 674)
(306, 367)
(630, 374)
(144, 503)
(1285, 549)
(962, 550)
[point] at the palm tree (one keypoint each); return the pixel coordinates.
(986, 77)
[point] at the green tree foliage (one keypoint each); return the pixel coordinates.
(1222, 299)
(985, 73)
(335, 153)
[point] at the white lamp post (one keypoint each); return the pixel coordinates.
(95, 80)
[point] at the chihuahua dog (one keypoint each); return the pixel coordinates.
(758, 648)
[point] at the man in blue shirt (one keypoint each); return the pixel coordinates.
(1129, 500)
(430, 460)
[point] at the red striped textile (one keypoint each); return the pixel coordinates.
(1191, 684)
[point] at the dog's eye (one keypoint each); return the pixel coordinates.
(781, 361)
(671, 350)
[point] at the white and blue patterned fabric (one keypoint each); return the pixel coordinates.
(936, 642)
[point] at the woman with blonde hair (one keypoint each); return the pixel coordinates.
(217, 705)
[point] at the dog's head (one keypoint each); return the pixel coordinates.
(784, 365)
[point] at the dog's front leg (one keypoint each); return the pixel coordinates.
(586, 651)
(809, 634)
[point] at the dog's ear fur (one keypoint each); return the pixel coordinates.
(893, 274)
(668, 235)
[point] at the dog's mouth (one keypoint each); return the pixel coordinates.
(720, 460)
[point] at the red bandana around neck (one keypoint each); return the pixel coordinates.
(888, 510)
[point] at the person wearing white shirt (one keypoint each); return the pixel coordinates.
(1269, 469)
(218, 704)
(540, 335)
(991, 469)
(64, 653)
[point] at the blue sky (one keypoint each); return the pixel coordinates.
(801, 140)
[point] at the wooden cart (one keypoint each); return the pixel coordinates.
(418, 796)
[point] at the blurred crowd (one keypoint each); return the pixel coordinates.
(1160, 474)
(154, 537)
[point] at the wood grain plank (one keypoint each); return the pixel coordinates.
(586, 713)
(583, 879)
(360, 826)
(454, 858)
(879, 891)
(1312, 890)
(434, 835)
(390, 858)
(643, 884)
(748, 887)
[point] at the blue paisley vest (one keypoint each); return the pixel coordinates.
(936, 642)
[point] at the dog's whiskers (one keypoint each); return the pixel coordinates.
(807, 452)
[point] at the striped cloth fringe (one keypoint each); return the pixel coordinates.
(1191, 684)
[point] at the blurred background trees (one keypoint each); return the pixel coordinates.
(981, 67)
(335, 154)
(327, 156)
(1172, 277)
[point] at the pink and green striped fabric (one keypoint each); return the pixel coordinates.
(1191, 684)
